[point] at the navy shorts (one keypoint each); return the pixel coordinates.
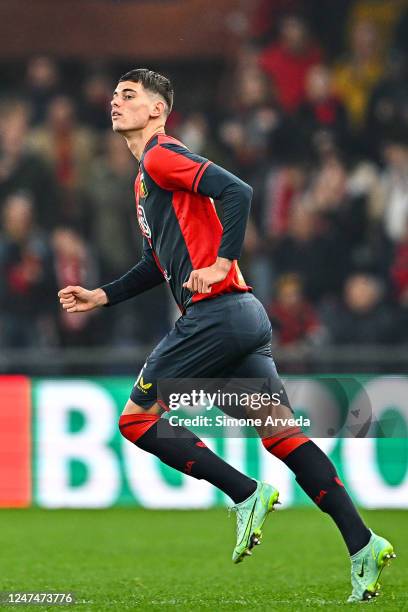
(229, 335)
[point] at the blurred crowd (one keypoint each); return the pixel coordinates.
(312, 112)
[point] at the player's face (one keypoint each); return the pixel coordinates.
(132, 107)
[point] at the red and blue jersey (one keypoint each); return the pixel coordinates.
(175, 192)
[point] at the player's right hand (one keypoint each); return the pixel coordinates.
(78, 299)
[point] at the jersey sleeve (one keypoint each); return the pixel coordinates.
(174, 168)
(235, 197)
(143, 276)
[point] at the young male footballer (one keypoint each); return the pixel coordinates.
(223, 329)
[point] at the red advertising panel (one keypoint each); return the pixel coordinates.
(15, 441)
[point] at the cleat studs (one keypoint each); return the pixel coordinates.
(376, 594)
(255, 540)
(393, 556)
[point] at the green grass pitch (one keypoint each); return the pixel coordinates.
(135, 559)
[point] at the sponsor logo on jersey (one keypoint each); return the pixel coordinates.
(142, 385)
(141, 217)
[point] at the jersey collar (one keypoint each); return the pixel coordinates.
(150, 140)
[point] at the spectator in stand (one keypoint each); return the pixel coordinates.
(322, 117)
(254, 119)
(356, 76)
(294, 319)
(326, 19)
(95, 104)
(28, 286)
(342, 214)
(394, 178)
(284, 189)
(68, 146)
(347, 204)
(288, 60)
(312, 253)
(399, 276)
(400, 40)
(74, 265)
(383, 13)
(388, 106)
(41, 86)
(195, 133)
(109, 193)
(22, 170)
(374, 250)
(362, 317)
(267, 14)
(399, 269)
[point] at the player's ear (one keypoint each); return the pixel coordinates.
(158, 108)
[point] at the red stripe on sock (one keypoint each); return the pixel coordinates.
(288, 446)
(133, 426)
(282, 435)
(285, 442)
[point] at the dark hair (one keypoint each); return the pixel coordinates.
(152, 81)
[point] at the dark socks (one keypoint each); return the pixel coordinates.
(317, 476)
(183, 450)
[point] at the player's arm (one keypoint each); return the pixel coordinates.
(143, 276)
(235, 197)
(173, 167)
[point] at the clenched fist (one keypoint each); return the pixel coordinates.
(78, 299)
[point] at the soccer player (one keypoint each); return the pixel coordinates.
(223, 328)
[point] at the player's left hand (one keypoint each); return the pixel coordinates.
(200, 281)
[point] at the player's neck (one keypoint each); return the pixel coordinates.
(136, 141)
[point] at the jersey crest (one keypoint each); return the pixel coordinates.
(143, 193)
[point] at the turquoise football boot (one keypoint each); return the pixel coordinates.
(366, 567)
(251, 515)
